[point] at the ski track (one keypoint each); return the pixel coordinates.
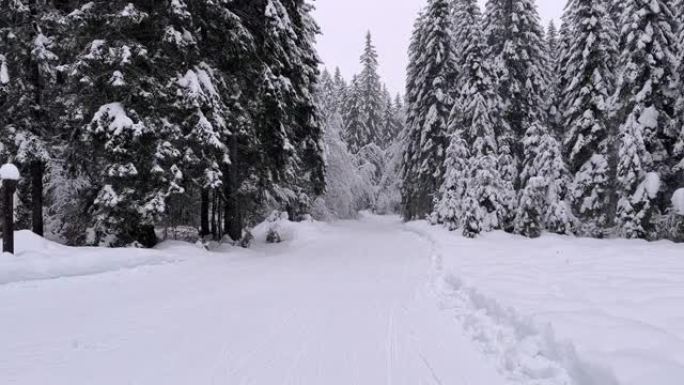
(364, 302)
(525, 353)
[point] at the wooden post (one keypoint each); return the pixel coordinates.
(10, 176)
(8, 188)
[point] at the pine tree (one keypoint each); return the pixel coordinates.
(586, 116)
(644, 112)
(431, 76)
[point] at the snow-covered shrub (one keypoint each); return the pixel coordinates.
(675, 218)
(529, 220)
(275, 221)
(388, 199)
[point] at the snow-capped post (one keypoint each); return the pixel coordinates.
(10, 176)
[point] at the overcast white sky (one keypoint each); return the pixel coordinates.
(345, 22)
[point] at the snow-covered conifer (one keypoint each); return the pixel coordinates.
(371, 93)
(30, 121)
(644, 105)
(516, 44)
(449, 209)
(545, 180)
(585, 106)
(430, 81)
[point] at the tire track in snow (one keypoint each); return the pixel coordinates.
(524, 353)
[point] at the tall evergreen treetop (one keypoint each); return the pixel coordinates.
(516, 40)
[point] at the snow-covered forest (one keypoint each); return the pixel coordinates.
(200, 198)
(575, 130)
(130, 116)
(364, 138)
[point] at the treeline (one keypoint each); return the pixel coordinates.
(573, 131)
(126, 116)
(364, 140)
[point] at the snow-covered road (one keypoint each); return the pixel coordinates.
(349, 303)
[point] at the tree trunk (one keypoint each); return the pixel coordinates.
(233, 212)
(37, 171)
(146, 236)
(214, 202)
(204, 215)
(613, 148)
(233, 216)
(219, 219)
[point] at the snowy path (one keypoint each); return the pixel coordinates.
(349, 305)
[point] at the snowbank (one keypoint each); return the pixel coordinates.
(619, 302)
(37, 258)
(288, 232)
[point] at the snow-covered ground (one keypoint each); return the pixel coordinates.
(619, 302)
(336, 304)
(371, 302)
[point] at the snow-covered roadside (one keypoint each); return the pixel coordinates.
(619, 303)
(37, 258)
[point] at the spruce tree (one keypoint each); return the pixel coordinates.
(340, 88)
(482, 205)
(430, 82)
(30, 122)
(588, 136)
(644, 112)
(310, 171)
(516, 40)
(355, 131)
(371, 96)
(553, 52)
(197, 111)
(118, 146)
(449, 210)
(479, 104)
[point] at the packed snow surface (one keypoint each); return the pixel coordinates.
(335, 304)
(373, 301)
